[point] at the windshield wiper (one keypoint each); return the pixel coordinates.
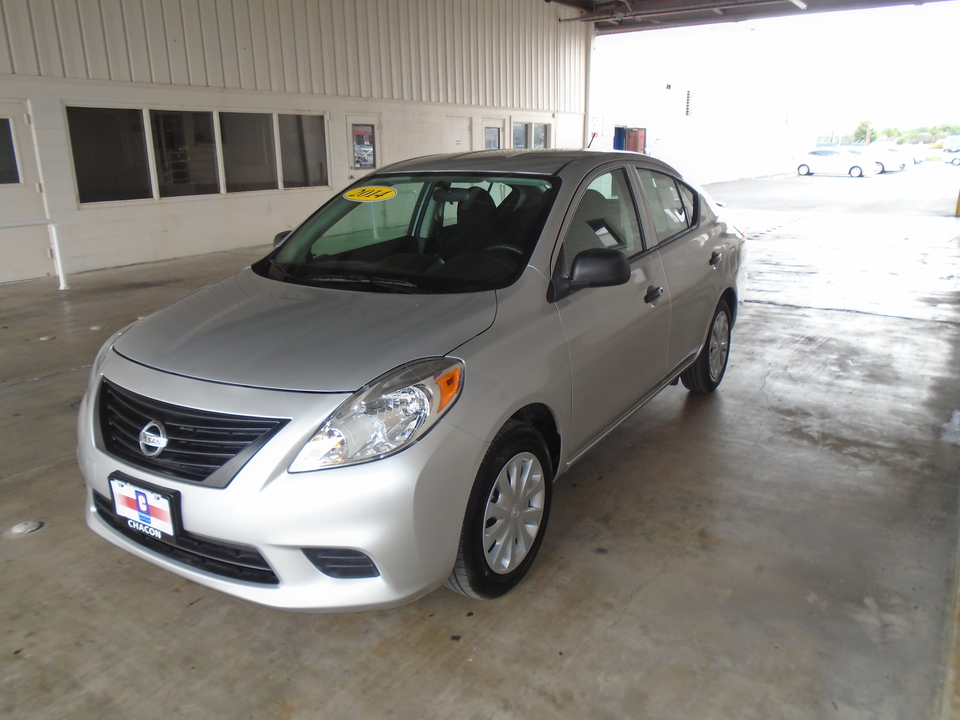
(394, 284)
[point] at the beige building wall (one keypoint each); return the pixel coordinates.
(405, 66)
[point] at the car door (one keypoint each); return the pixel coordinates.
(691, 255)
(617, 336)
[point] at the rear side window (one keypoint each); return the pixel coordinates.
(673, 204)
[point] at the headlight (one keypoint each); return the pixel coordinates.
(385, 417)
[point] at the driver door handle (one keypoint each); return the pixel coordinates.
(653, 293)
(716, 257)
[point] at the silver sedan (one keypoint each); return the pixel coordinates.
(382, 404)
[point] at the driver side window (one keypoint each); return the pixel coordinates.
(606, 217)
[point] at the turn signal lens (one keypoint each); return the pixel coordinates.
(449, 385)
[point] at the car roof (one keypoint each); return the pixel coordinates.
(541, 162)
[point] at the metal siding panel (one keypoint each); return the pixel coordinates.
(396, 56)
(328, 49)
(445, 50)
(94, 39)
(45, 28)
(437, 65)
(357, 21)
(115, 40)
(384, 42)
(253, 46)
(302, 31)
(71, 41)
(351, 51)
(268, 43)
(274, 39)
(340, 50)
(287, 49)
(6, 54)
(23, 50)
(372, 37)
(210, 36)
(135, 29)
(176, 45)
(229, 54)
(156, 42)
(314, 49)
(193, 42)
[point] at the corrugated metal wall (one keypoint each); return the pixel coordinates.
(499, 53)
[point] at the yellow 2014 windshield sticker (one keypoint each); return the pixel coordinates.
(370, 194)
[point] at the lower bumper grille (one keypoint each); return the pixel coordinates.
(229, 561)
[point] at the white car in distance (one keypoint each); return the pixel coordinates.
(835, 161)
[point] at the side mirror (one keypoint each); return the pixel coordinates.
(280, 237)
(596, 267)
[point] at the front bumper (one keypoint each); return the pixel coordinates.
(404, 512)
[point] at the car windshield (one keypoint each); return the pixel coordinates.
(418, 233)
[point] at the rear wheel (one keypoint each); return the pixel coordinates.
(803, 170)
(506, 516)
(855, 171)
(955, 161)
(708, 369)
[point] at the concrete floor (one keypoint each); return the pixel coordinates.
(784, 548)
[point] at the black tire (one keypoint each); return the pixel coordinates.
(486, 567)
(855, 171)
(804, 170)
(707, 371)
(955, 161)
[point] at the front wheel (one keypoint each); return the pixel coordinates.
(955, 161)
(803, 170)
(708, 369)
(855, 171)
(506, 516)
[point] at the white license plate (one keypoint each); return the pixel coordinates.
(144, 510)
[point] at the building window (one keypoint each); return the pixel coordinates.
(521, 135)
(109, 154)
(303, 151)
(541, 136)
(491, 138)
(9, 175)
(364, 147)
(249, 158)
(186, 153)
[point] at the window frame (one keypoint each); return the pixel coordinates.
(151, 169)
(648, 219)
(632, 186)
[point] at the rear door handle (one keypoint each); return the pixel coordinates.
(653, 293)
(716, 257)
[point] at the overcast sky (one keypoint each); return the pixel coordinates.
(897, 67)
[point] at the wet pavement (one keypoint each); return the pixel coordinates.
(783, 548)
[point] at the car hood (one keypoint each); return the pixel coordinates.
(251, 331)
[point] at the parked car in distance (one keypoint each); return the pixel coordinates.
(871, 154)
(835, 161)
(382, 404)
(909, 154)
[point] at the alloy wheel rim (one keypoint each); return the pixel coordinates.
(514, 513)
(719, 345)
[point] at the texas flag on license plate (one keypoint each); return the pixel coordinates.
(142, 506)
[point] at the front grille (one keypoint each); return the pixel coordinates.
(202, 446)
(231, 561)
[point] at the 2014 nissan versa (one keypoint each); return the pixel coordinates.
(383, 403)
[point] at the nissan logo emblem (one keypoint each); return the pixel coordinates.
(153, 438)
